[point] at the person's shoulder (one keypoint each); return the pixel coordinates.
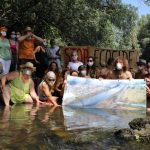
(128, 72)
(70, 63)
(44, 84)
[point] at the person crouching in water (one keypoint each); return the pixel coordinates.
(45, 87)
(20, 88)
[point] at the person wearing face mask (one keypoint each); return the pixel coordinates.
(20, 88)
(90, 67)
(27, 46)
(53, 53)
(14, 50)
(82, 71)
(141, 69)
(45, 87)
(18, 35)
(121, 69)
(5, 52)
(74, 63)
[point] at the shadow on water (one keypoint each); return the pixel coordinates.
(26, 126)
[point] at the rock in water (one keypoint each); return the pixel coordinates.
(139, 130)
(139, 123)
(126, 134)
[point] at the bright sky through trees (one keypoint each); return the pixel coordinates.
(143, 9)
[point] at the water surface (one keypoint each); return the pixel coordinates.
(30, 127)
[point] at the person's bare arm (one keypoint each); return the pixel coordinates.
(20, 39)
(47, 92)
(38, 38)
(33, 93)
(8, 77)
(130, 75)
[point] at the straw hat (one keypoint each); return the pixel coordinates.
(28, 65)
(28, 29)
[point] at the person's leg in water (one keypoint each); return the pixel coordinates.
(6, 95)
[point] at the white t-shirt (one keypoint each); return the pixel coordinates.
(74, 65)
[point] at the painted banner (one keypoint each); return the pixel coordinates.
(100, 55)
(109, 94)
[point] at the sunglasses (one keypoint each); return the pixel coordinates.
(89, 60)
(51, 79)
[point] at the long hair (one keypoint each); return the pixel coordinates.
(124, 61)
(50, 68)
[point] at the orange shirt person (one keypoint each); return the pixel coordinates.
(26, 46)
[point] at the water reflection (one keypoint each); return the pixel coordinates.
(101, 118)
(47, 127)
(19, 116)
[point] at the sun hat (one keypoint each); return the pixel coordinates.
(28, 29)
(28, 65)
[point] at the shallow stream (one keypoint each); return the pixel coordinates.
(26, 127)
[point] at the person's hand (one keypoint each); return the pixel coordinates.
(29, 35)
(38, 102)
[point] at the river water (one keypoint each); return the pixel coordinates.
(27, 126)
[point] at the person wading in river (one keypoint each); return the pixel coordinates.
(20, 88)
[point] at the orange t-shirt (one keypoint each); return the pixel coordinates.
(26, 49)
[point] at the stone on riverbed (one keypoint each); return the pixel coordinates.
(139, 123)
(139, 130)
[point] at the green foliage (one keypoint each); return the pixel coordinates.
(144, 36)
(105, 23)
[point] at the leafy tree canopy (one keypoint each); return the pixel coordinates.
(105, 23)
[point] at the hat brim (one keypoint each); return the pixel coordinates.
(32, 68)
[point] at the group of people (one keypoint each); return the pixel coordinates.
(19, 54)
(27, 57)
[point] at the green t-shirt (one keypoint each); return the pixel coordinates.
(19, 91)
(5, 49)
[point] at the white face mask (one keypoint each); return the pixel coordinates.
(90, 63)
(83, 72)
(13, 36)
(140, 67)
(17, 36)
(3, 33)
(45, 43)
(119, 66)
(27, 72)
